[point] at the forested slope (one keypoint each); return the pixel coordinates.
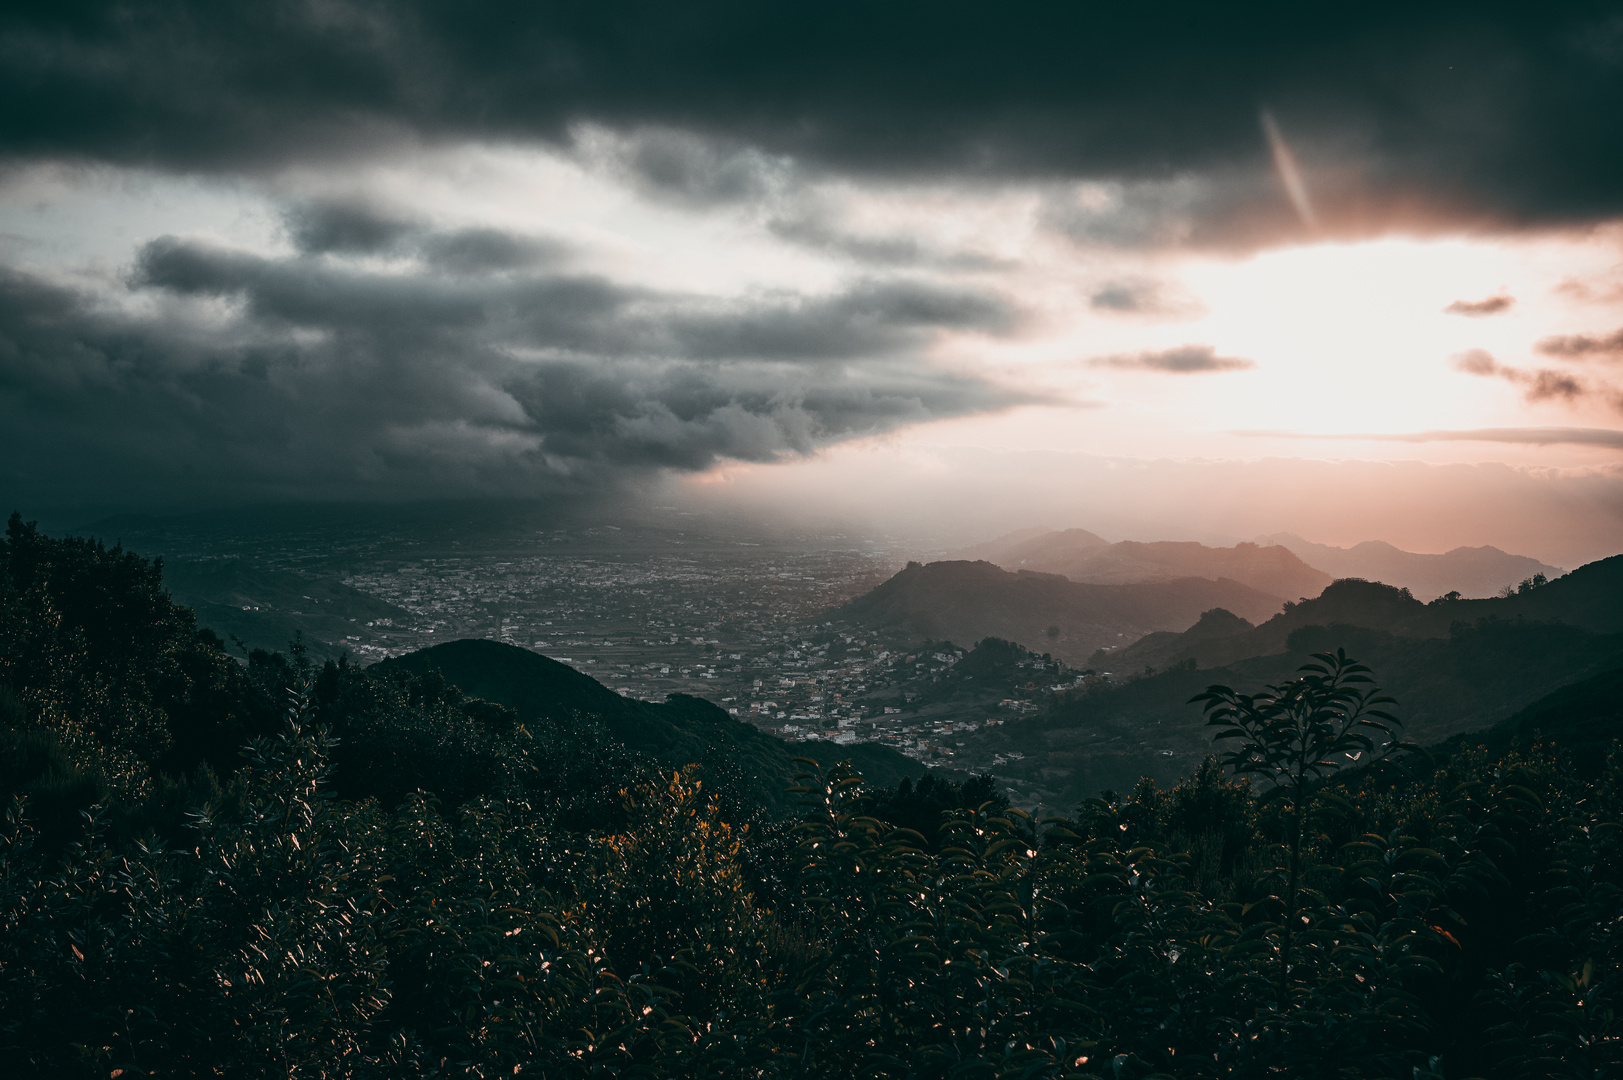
(390, 878)
(679, 731)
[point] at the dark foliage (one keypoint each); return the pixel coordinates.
(926, 808)
(400, 880)
(110, 688)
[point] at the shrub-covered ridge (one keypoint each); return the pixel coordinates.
(390, 879)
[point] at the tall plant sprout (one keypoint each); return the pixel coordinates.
(1293, 736)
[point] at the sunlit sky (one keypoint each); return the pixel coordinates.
(864, 300)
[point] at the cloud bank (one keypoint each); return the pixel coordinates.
(838, 199)
(469, 362)
(1397, 114)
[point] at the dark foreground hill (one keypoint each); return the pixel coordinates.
(968, 601)
(679, 731)
(1584, 720)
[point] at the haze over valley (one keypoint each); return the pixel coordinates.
(847, 641)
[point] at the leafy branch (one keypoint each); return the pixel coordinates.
(1294, 735)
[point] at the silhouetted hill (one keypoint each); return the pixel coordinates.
(1584, 720)
(1475, 572)
(1469, 681)
(1082, 556)
(968, 601)
(1589, 598)
(1165, 648)
(1350, 602)
(266, 608)
(1026, 547)
(1273, 570)
(679, 731)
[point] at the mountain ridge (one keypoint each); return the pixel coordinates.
(678, 731)
(1090, 559)
(1476, 572)
(966, 601)
(1590, 598)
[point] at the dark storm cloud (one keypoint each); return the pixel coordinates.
(1583, 346)
(1397, 113)
(1183, 360)
(1476, 309)
(1210, 210)
(679, 167)
(475, 251)
(358, 227)
(237, 375)
(897, 249)
(591, 315)
(320, 227)
(1135, 296)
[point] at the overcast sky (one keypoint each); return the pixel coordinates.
(1352, 272)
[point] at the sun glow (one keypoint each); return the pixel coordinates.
(1344, 338)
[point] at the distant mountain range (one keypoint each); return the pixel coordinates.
(1590, 598)
(1472, 571)
(1546, 661)
(966, 601)
(1085, 557)
(678, 731)
(1281, 564)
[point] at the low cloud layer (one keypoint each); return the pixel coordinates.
(224, 374)
(1183, 360)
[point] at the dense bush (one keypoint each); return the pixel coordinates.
(1459, 921)
(400, 881)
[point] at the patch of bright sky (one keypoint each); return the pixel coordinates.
(1346, 338)
(86, 222)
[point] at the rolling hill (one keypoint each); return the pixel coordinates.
(679, 731)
